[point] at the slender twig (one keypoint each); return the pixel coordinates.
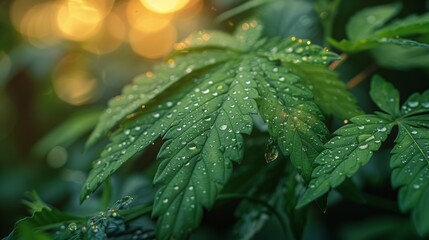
(270, 208)
(362, 76)
(334, 65)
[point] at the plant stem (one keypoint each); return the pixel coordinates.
(283, 224)
(334, 65)
(362, 76)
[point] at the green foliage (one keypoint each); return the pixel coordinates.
(367, 29)
(110, 224)
(220, 98)
(354, 144)
(204, 118)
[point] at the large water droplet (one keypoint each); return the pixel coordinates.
(365, 138)
(223, 127)
(413, 104)
(271, 151)
(381, 129)
(364, 146)
(192, 146)
(371, 19)
(72, 227)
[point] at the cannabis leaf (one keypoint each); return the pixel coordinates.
(410, 160)
(330, 93)
(201, 101)
(365, 29)
(354, 144)
(410, 172)
(345, 153)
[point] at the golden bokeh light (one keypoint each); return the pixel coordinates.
(154, 45)
(164, 6)
(73, 28)
(109, 37)
(18, 9)
(144, 20)
(72, 83)
(38, 24)
(90, 11)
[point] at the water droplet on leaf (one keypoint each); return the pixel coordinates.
(271, 151)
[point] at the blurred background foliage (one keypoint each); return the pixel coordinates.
(61, 60)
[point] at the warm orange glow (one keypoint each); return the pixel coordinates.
(72, 83)
(38, 24)
(89, 11)
(18, 9)
(73, 28)
(154, 45)
(144, 20)
(109, 37)
(164, 6)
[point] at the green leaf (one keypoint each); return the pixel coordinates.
(365, 22)
(411, 25)
(43, 220)
(294, 120)
(410, 172)
(369, 43)
(329, 92)
(202, 118)
(345, 153)
(385, 95)
(196, 160)
(417, 104)
(248, 5)
(400, 57)
(207, 38)
(295, 51)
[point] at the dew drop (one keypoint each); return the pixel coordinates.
(371, 19)
(364, 146)
(361, 127)
(205, 91)
(127, 131)
(381, 129)
(414, 132)
(72, 227)
(413, 104)
(192, 146)
(223, 127)
(165, 200)
(271, 151)
(416, 186)
(155, 115)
